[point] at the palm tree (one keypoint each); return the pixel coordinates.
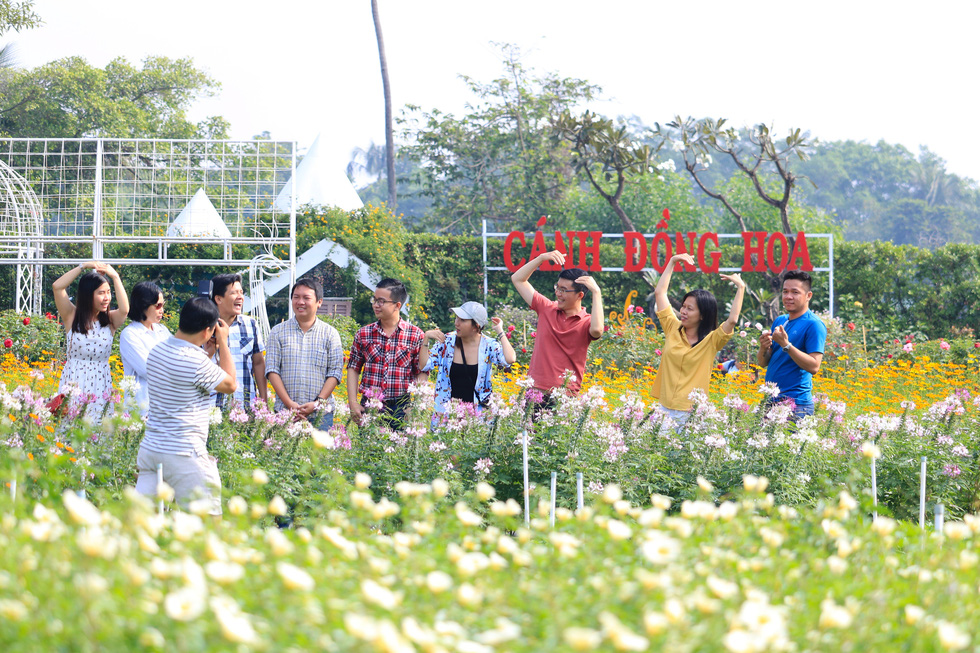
(389, 133)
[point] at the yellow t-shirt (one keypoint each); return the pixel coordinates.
(683, 367)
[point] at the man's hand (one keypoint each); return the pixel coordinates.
(765, 340)
(221, 332)
(356, 412)
(589, 283)
(780, 337)
(554, 256)
(305, 410)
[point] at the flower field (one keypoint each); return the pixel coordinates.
(342, 540)
(424, 571)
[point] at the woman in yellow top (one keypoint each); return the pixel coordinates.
(692, 342)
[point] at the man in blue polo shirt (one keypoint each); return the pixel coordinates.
(792, 352)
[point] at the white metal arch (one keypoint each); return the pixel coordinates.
(20, 237)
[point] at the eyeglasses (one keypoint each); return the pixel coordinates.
(158, 305)
(378, 301)
(563, 291)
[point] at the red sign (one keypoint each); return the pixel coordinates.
(770, 250)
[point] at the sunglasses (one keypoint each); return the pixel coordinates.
(158, 305)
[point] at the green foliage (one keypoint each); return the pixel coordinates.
(15, 16)
(69, 98)
(40, 340)
(346, 326)
(884, 192)
(498, 162)
(377, 237)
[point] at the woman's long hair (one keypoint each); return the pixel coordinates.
(708, 307)
(84, 304)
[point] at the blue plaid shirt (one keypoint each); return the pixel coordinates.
(244, 342)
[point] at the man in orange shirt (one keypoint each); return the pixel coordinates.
(565, 330)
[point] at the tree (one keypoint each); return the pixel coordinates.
(69, 98)
(389, 132)
(759, 160)
(607, 154)
(499, 161)
(15, 16)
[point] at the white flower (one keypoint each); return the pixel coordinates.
(12, 609)
(81, 510)
(224, 573)
(612, 493)
(278, 506)
(236, 627)
(951, 637)
(438, 581)
(259, 477)
(215, 416)
(185, 604)
(660, 548)
(322, 439)
(374, 592)
(582, 639)
(237, 505)
(362, 481)
(485, 491)
(833, 615)
(870, 450)
(294, 578)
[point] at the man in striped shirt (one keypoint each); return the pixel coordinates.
(181, 378)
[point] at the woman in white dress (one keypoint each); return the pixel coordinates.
(89, 326)
(143, 333)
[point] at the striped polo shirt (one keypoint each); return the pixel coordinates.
(181, 378)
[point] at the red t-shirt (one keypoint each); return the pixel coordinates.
(562, 344)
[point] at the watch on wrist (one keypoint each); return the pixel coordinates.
(786, 348)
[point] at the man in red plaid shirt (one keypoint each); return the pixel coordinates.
(384, 358)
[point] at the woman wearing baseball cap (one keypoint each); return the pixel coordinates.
(464, 358)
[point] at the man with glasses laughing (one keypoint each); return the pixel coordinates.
(565, 330)
(384, 358)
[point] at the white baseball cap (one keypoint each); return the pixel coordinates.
(472, 311)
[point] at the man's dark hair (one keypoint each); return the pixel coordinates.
(572, 274)
(221, 282)
(85, 312)
(708, 308)
(397, 289)
(310, 283)
(802, 276)
(144, 295)
(198, 314)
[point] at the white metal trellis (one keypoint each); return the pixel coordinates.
(119, 196)
(20, 231)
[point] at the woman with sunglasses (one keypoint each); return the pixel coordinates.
(90, 326)
(143, 334)
(690, 343)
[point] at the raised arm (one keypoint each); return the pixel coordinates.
(510, 356)
(520, 278)
(660, 292)
(732, 321)
(66, 310)
(118, 316)
(597, 324)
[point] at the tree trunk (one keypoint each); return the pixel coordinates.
(389, 132)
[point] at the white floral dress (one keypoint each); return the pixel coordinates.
(86, 377)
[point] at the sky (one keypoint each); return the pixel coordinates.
(861, 70)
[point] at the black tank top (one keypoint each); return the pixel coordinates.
(462, 379)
